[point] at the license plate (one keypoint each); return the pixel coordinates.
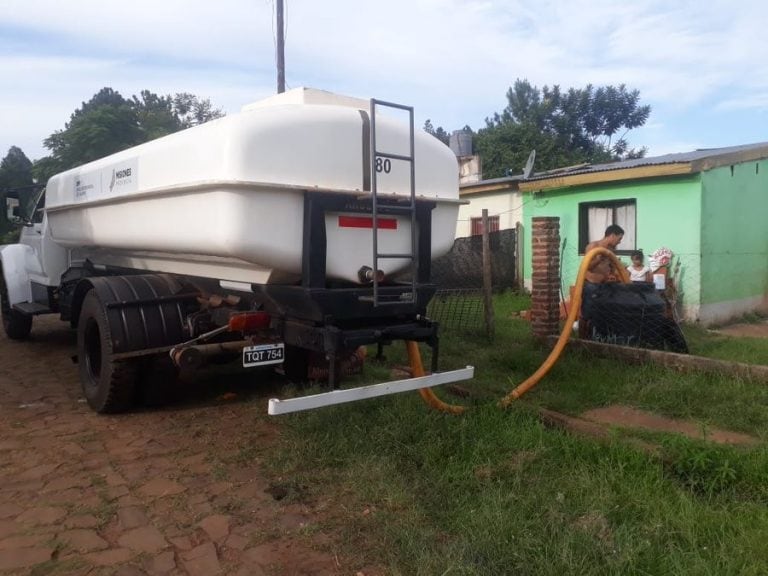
(263, 355)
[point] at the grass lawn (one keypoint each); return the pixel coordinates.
(703, 342)
(493, 492)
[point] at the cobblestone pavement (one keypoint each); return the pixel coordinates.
(175, 492)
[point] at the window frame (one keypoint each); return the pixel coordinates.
(476, 223)
(613, 204)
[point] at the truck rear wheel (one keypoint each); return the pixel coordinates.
(17, 325)
(109, 386)
(158, 382)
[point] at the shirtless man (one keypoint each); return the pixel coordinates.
(601, 268)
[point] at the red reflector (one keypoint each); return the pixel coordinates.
(249, 322)
(367, 222)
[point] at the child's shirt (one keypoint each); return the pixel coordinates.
(638, 275)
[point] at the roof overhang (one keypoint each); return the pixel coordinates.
(635, 173)
(738, 157)
(565, 180)
(491, 187)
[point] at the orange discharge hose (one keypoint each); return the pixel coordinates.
(417, 369)
(534, 378)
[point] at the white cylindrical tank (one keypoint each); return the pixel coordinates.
(225, 199)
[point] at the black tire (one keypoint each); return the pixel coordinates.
(109, 386)
(17, 325)
(158, 382)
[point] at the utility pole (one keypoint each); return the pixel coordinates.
(280, 48)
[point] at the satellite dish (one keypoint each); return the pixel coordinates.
(528, 170)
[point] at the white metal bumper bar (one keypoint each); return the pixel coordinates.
(352, 394)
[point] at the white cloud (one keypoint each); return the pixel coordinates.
(451, 59)
(754, 101)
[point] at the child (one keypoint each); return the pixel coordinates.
(638, 271)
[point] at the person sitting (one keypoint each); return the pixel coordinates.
(638, 270)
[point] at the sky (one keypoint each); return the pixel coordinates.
(702, 66)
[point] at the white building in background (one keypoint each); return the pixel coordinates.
(502, 198)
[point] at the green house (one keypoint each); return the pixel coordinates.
(710, 207)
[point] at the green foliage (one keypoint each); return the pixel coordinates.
(505, 148)
(15, 169)
(108, 123)
(155, 114)
(192, 111)
(15, 173)
(104, 125)
(564, 127)
(438, 132)
(705, 469)
(45, 167)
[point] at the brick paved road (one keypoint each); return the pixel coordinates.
(177, 491)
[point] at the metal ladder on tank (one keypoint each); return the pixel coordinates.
(408, 209)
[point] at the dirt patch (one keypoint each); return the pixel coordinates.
(179, 491)
(628, 417)
(747, 330)
(597, 525)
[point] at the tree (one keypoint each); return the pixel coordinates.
(15, 169)
(579, 125)
(108, 123)
(438, 132)
(155, 115)
(15, 174)
(192, 111)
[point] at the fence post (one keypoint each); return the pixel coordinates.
(519, 281)
(487, 280)
(545, 289)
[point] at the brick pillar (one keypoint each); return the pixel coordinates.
(545, 289)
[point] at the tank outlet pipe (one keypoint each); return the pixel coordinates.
(554, 355)
(365, 275)
(194, 356)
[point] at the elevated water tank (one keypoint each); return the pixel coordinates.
(461, 143)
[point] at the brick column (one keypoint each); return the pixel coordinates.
(545, 289)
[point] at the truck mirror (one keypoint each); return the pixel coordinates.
(13, 209)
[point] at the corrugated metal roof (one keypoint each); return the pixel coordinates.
(678, 158)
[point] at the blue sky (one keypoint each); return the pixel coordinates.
(703, 66)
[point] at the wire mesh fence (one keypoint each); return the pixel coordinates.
(458, 309)
(648, 311)
(458, 303)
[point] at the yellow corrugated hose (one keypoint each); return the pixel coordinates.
(534, 378)
(417, 369)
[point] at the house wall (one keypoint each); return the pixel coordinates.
(668, 213)
(734, 241)
(506, 204)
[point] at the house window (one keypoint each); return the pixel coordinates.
(477, 225)
(595, 217)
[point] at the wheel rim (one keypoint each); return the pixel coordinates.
(92, 344)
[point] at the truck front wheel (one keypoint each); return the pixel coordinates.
(109, 385)
(17, 325)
